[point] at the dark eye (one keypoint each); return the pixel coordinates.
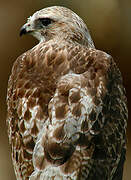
(45, 21)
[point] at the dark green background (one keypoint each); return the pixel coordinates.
(109, 22)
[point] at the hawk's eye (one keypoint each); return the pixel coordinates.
(45, 21)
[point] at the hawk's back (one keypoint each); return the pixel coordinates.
(54, 88)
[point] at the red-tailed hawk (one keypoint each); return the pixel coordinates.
(66, 104)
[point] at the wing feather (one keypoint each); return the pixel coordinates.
(85, 117)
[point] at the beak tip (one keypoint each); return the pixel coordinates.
(22, 31)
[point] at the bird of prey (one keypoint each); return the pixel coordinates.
(67, 112)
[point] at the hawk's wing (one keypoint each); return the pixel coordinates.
(84, 135)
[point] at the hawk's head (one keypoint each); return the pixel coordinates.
(57, 23)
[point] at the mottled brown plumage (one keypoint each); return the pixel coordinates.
(66, 104)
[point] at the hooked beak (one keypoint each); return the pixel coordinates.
(25, 29)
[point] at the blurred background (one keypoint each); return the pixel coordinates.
(109, 22)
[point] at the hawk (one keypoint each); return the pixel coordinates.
(67, 112)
